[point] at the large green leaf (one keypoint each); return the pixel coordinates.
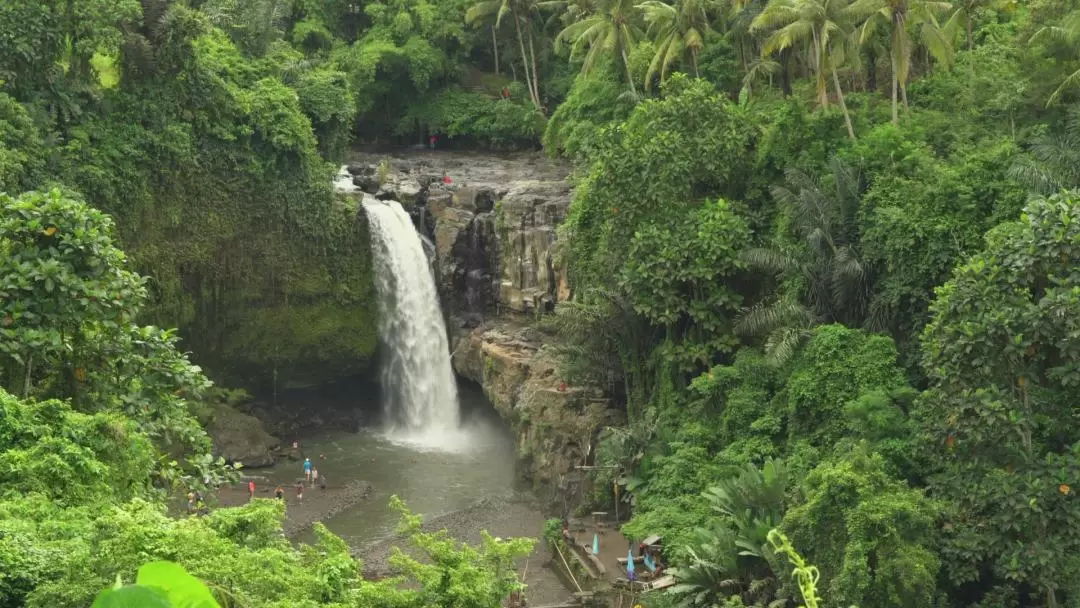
(182, 589)
(131, 596)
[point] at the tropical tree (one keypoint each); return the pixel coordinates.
(899, 15)
(965, 12)
(1000, 352)
(1066, 32)
(735, 557)
(827, 280)
(822, 25)
(610, 29)
(677, 29)
(493, 12)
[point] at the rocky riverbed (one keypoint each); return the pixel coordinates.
(318, 504)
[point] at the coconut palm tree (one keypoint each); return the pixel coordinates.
(610, 28)
(493, 11)
(821, 25)
(678, 30)
(899, 16)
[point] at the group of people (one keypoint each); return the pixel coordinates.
(197, 505)
(311, 477)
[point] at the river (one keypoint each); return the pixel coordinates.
(471, 488)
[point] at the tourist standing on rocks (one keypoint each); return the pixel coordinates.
(279, 493)
(251, 489)
(307, 469)
(314, 476)
(300, 491)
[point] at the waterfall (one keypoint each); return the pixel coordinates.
(420, 395)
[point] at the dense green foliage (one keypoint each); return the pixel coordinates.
(874, 350)
(823, 252)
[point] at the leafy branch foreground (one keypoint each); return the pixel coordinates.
(449, 573)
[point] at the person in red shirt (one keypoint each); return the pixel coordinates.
(251, 489)
(432, 140)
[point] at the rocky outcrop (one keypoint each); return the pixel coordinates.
(238, 437)
(556, 424)
(493, 225)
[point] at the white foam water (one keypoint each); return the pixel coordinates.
(420, 394)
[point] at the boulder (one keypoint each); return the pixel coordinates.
(239, 437)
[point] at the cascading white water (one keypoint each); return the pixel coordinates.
(421, 401)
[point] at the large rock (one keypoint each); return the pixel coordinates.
(556, 424)
(238, 437)
(528, 215)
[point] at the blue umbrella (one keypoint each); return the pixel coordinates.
(630, 564)
(649, 563)
(595, 544)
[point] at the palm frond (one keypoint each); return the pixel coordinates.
(768, 316)
(769, 260)
(782, 344)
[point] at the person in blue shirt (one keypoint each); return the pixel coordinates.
(307, 469)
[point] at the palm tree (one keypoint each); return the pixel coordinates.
(965, 10)
(749, 503)
(1067, 32)
(820, 24)
(898, 15)
(610, 28)
(1053, 162)
(677, 30)
(495, 10)
(828, 281)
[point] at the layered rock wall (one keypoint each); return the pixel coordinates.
(556, 424)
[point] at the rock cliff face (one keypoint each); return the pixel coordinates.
(556, 424)
(493, 229)
(493, 225)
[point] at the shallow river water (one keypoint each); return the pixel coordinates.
(469, 487)
(435, 483)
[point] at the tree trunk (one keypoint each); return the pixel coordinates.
(693, 62)
(895, 87)
(535, 75)
(843, 105)
(903, 96)
(524, 60)
(819, 67)
(26, 382)
(785, 74)
(871, 70)
(495, 48)
(970, 39)
(629, 76)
